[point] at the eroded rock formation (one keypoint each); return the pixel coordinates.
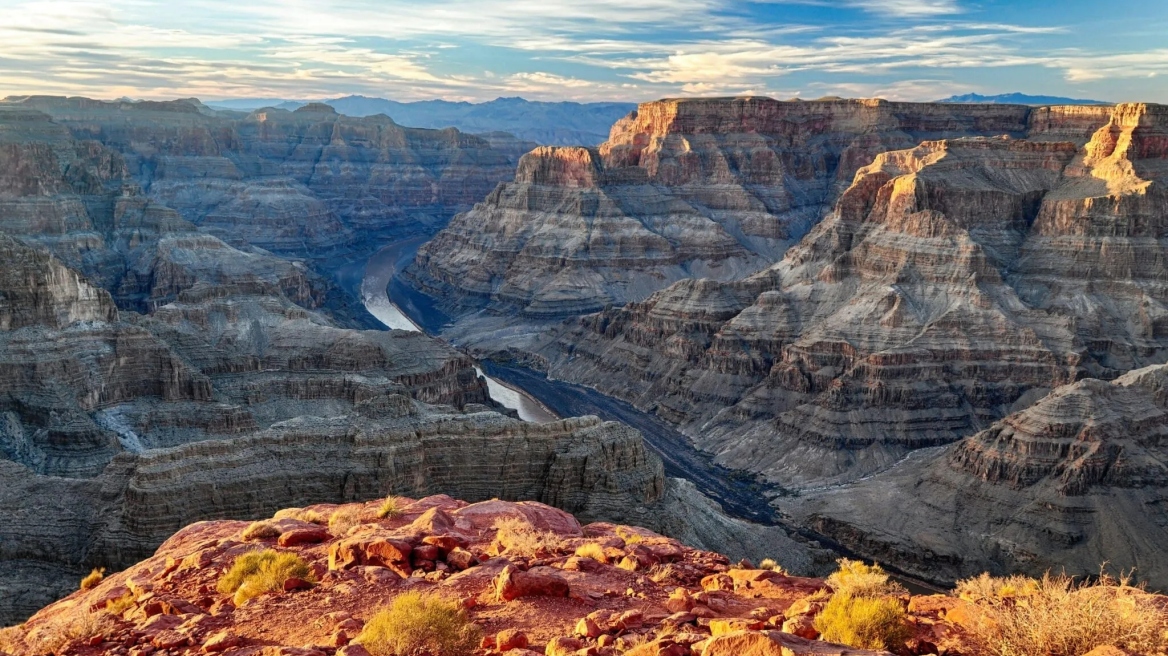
(1073, 481)
(305, 182)
(704, 188)
(954, 282)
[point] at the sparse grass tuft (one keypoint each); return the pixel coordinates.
(417, 623)
(1057, 616)
(858, 579)
(262, 530)
(593, 551)
(390, 508)
(863, 622)
(302, 514)
(121, 604)
(517, 536)
(627, 535)
(771, 564)
(81, 626)
(257, 572)
(93, 578)
(344, 519)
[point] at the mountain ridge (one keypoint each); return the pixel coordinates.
(1017, 98)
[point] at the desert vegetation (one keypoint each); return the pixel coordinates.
(257, 572)
(390, 508)
(262, 530)
(1060, 616)
(344, 519)
(93, 578)
(302, 514)
(866, 609)
(417, 623)
(517, 536)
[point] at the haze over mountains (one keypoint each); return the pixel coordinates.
(1020, 99)
(551, 123)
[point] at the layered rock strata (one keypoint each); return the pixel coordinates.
(712, 188)
(953, 283)
(305, 182)
(1071, 482)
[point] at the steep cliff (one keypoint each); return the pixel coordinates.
(1070, 482)
(953, 283)
(712, 188)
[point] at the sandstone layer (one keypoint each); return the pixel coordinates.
(711, 188)
(310, 181)
(953, 283)
(637, 594)
(1073, 481)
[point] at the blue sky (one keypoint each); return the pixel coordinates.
(584, 49)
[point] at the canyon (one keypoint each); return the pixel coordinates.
(948, 267)
(179, 344)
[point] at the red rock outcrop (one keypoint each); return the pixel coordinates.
(572, 605)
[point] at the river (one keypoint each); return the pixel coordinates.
(539, 398)
(379, 272)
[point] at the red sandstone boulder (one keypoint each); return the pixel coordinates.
(538, 582)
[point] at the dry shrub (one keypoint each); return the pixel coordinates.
(257, 572)
(1057, 616)
(517, 536)
(120, 605)
(391, 508)
(417, 623)
(93, 578)
(857, 579)
(12, 640)
(344, 519)
(302, 514)
(771, 564)
(81, 626)
(629, 536)
(593, 551)
(986, 588)
(863, 622)
(262, 530)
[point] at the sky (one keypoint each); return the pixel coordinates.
(628, 50)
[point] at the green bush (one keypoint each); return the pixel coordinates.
(417, 623)
(863, 622)
(857, 579)
(257, 572)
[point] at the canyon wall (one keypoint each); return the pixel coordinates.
(1075, 480)
(953, 283)
(708, 188)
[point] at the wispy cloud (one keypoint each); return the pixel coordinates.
(579, 49)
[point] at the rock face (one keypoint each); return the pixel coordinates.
(544, 599)
(306, 182)
(1070, 482)
(953, 283)
(704, 188)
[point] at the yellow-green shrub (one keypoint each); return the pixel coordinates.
(863, 622)
(858, 579)
(390, 508)
(417, 623)
(93, 578)
(1057, 616)
(257, 572)
(593, 551)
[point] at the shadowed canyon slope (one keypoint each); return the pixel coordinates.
(1077, 479)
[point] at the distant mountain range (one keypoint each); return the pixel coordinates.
(552, 123)
(1020, 99)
